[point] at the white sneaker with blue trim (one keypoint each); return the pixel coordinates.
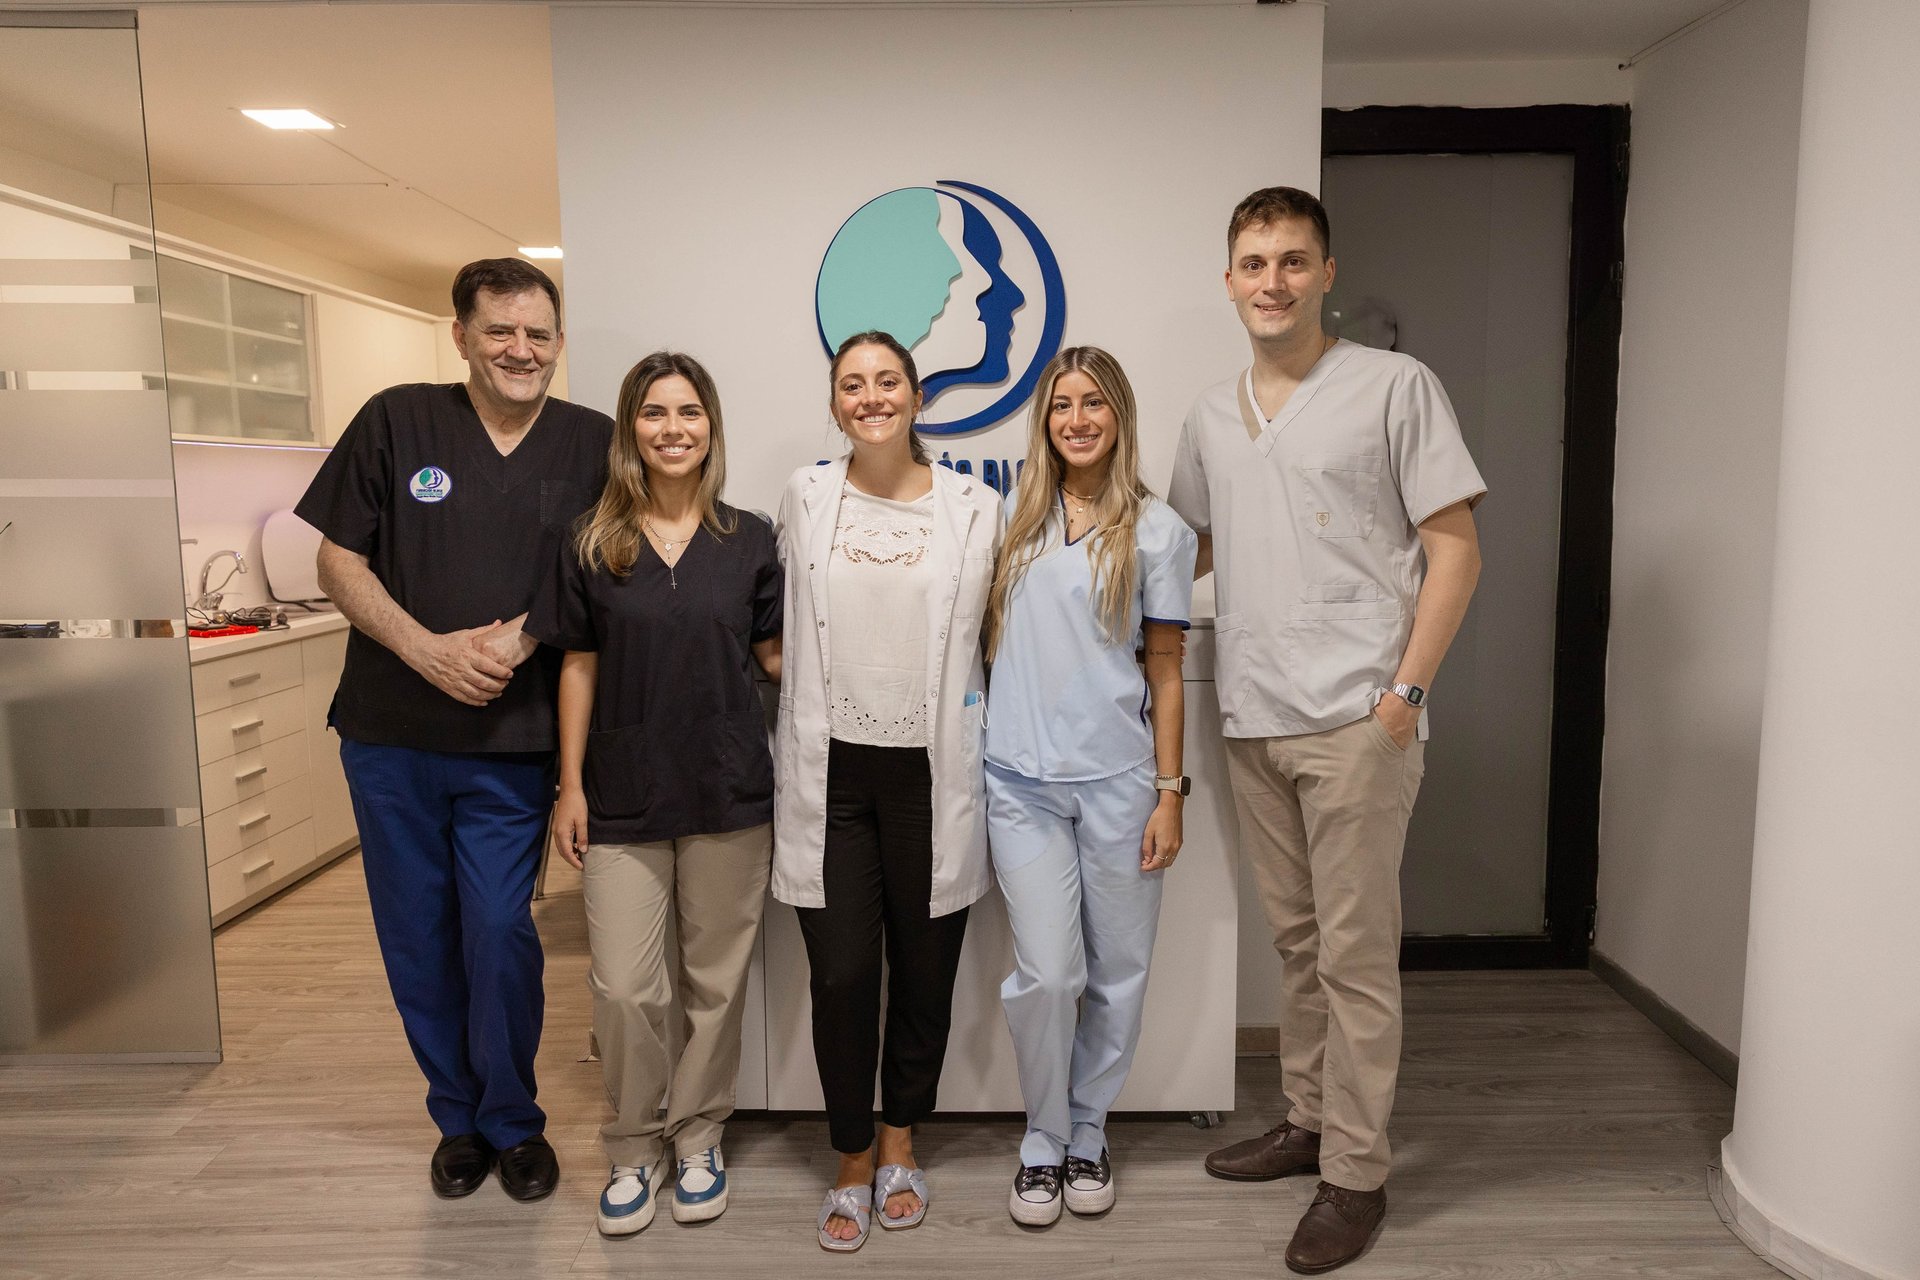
(700, 1190)
(626, 1206)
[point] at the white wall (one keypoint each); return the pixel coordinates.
(697, 200)
(1508, 83)
(1716, 127)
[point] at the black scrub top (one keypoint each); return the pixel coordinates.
(459, 536)
(678, 742)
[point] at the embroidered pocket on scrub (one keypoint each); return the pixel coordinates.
(1336, 493)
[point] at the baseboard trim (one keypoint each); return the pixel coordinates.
(1773, 1243)
(1685, 1032)
(1256, 1041)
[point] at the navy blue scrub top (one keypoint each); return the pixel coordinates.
(678, 742)
(459, 536)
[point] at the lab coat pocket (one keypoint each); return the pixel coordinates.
(1336, 493)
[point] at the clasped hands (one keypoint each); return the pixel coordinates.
(474, 665)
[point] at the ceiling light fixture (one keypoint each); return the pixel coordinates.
(541, 251)
(287, 118)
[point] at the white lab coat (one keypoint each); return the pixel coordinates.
(966, 537)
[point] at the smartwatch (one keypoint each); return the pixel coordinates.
(1415, 696)
(1165, 782)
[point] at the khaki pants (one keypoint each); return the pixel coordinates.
(715, 886)
(1323, 820)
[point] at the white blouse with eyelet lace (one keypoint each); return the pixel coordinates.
(878, 578)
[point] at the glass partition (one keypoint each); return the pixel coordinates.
(106, 948)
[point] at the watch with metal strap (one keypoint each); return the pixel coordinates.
(1167, 782)
(1414, 695)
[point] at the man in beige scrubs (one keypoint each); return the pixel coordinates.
(1332, 491)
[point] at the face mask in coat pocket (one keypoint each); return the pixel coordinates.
(1336, 493)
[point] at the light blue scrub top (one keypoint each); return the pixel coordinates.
(1064, 704)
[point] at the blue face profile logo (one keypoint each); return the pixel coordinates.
(928, 265)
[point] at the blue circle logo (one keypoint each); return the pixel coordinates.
(932, 266)
(430, 484)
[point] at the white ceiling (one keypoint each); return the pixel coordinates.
(447, 153)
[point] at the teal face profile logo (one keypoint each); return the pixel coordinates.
(961, 278)
(430, 484)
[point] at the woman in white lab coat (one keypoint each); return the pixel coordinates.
(879, 811)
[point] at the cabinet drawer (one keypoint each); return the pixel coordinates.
(225, 681)
(233, 831)
(253, 772)
(233, 880)
(249, 724)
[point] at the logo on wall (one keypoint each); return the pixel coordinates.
(961, 278)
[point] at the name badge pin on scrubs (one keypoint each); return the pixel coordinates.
(430, 484)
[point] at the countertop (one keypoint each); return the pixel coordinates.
(299, 627)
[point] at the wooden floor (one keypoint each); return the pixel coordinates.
(1544, 1129)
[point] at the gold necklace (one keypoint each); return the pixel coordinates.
(1080, 504)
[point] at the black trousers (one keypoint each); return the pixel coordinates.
(879, 879)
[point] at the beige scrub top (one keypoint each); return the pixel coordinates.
(1314, 517)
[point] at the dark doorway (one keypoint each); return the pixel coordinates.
(1450, 228)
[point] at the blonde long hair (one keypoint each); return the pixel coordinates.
(610, 535)
(1115, 509)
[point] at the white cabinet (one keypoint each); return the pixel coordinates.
(273, 796)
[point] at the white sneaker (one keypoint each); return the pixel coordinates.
(1089, 1184)
(626, 1206)
(1035, 1200)
(700, 1190)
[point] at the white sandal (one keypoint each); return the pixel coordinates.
(891, 1180)
(855, 1204)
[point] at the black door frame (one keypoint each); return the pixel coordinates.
(1596, 138)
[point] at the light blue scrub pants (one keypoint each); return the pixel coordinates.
(1067, 855)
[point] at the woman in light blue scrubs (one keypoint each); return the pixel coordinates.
(1084, 782)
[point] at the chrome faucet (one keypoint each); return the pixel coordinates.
(209, 601)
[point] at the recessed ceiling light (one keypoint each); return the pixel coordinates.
(287, 118)
(541, 251)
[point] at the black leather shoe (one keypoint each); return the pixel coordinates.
(529, 1169)
(460, 1164)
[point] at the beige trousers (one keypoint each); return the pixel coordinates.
(1323, 820)
(714, 886)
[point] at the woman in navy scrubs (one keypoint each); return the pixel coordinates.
(664, 599)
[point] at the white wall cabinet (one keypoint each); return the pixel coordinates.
(273, 795)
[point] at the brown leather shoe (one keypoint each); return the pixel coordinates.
(1282, 1150)
(1335, 1228)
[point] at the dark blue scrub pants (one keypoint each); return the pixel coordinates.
(450, 844)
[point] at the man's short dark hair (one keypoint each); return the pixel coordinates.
(1269, 205)
(507, 276)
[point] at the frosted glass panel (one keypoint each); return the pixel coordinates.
(103, 434)
(100, 963)
(105, 937)
(80, 335)
(265, 416)
(201, 410)
(268, 362)
(90, 557)
(188, 289)
(197, 351)
(267, 309)
(96, 724)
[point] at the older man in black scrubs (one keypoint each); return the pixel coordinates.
(441, 508)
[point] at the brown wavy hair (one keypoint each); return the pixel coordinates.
(610, 535)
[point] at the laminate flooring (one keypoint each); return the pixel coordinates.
(1544, 1130)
